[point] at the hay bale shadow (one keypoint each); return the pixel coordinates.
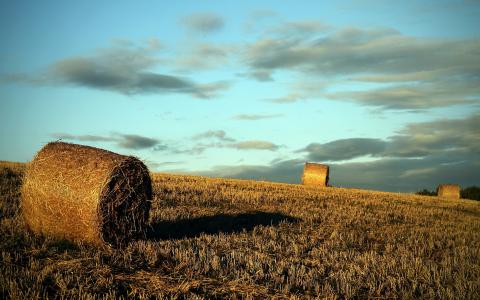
(222, 223)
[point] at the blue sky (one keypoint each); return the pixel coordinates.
(386, 93)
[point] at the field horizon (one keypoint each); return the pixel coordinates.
(21, 165)
(240, 150)
(229, 238)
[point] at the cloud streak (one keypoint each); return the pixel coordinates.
(255, 117)
(219, 139)
(415, 140)
(126, 141)
(122, 69)
(204, 23)
(254, 145)
(422, 73)
(414, 96)
(290, 98)
(83, 138)
(216, 134)
(362, 51)
(421, 155)
(344, 149)
(204, 56)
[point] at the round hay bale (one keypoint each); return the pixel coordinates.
(451, 191)
(86, 194)
(315, 174)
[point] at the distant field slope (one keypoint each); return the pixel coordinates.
(218, 238)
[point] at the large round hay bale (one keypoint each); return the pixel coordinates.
(315, 174)
(86, 194)
(451, 191)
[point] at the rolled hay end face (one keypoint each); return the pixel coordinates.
(86, 194)
(451, 191)
(315, 174)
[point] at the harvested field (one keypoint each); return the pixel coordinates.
(218, 238)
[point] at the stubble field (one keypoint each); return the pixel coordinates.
(220, 238)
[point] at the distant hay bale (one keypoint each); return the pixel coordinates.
(86, 194)
(449, 191)
(315, 174)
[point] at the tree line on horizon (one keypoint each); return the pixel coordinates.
(471, 192)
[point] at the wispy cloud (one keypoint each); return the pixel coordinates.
(83, 138)
(259, 75)
(136, 142)
(216, 134)
(437, 137)
(162, 165)
(422, 155)
(344, 149)
(359, 51)
(255, 117)
(298, 29)
(415, 96)
(126, 141)
(123, 69)
(205, 22)
(204, 56)
(416, 140)
(254, 145)
(290, 98)
(219, 139)
(421, 72)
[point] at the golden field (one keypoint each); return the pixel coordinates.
(223, 238)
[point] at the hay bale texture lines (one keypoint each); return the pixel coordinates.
(451, 191)
(315, 174)
(86, 194)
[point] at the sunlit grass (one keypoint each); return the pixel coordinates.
(236, 238)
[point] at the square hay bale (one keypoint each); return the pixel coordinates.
(451, 191)
(315, 174)
(86, 194)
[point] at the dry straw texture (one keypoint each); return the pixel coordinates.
(86, 194)
(237, 239)
(449, 191)
(315, 174)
